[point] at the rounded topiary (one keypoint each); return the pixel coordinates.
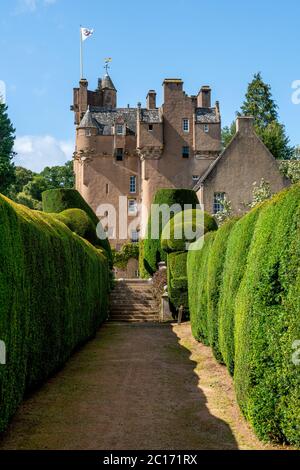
(59, 200)
(153, 252)
(79, 222)
(193, 222)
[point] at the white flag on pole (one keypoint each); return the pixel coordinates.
(86, 33)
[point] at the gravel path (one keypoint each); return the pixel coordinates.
(134, 386)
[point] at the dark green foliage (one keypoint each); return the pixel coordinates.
(53, 297)
(181, 224)
(128, 251)
(59, 176)
(268, 322)
(153, 252)
(234, 268)
(142, 270)
(58, 200)
(177, 280)
(7, 137)
(215, 265)
(197, 263)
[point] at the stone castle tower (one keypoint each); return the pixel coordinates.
(133, 152)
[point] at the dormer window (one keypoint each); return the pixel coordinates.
(119, 129)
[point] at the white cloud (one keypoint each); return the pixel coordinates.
(36, 152)
(30, 6)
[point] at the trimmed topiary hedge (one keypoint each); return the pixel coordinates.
(53, 297)
(268, 323)
(215, 265)
(58, 200)
(153, 252)
(258, 309)
(80, 223)
(199, 223)
(234, 267)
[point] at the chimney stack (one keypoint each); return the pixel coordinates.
(204, 97)
(245, 124)
(151, 99)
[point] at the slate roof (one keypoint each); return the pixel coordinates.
(105, 119)
(107, 83)
(151, 116)
(88, 121)
(206, 115)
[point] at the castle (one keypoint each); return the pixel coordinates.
(133, 152)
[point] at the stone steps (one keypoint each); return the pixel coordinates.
(132, 301)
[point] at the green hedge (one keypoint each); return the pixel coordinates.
(80, 223)
(177, 280)
(268, 323)
(234, 267)
(58, 200)
(53, 297)
(153, 252)
(197, 287)
(252, 298)
(215, 267)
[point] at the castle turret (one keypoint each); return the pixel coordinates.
(109, 92)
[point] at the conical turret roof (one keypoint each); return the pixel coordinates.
(107, 83)
(88, 121)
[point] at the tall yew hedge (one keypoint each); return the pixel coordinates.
(53, 297)
(258, 316)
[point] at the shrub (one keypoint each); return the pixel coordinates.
(268, 323)
(185, 223)
(58, 200)
(53, 297)
(177, 280)
(79, 222)
(153, 252)
(215, 265)
(197, 287)
(142, 270)
(234, 267)
(128, 251)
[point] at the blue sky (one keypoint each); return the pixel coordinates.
(218, 42)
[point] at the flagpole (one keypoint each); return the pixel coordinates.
(81, 55)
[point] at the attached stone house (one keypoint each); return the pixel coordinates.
(244, 162)
(133, 152)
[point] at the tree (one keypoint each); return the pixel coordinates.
(260, 104)
(7, 137)
(260, 192)
(59, 176)
(22, 177)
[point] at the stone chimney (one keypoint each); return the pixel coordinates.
(172, 87)
(204, 97)
(151, 99)
(245, 124)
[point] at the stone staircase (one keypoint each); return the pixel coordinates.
(132, 301)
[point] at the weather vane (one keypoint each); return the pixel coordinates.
(107, 62)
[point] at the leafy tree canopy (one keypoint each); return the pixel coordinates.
(7, 137)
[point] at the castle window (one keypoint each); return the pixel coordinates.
(107, 188)
(185, 125)
(219, 199)
(88, 133)
(119, 154)
(196, 177)
(132, 207)
(119, 129)
(150, 127)
(135, 236)
(185, 152)
(206, 128)
(132, 185)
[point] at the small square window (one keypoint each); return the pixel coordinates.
(185, 152)
(185, 125)
(150, 127)
(206, 128)
(219, 198)
(119, 154)
(196, 177)
(119, 129)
